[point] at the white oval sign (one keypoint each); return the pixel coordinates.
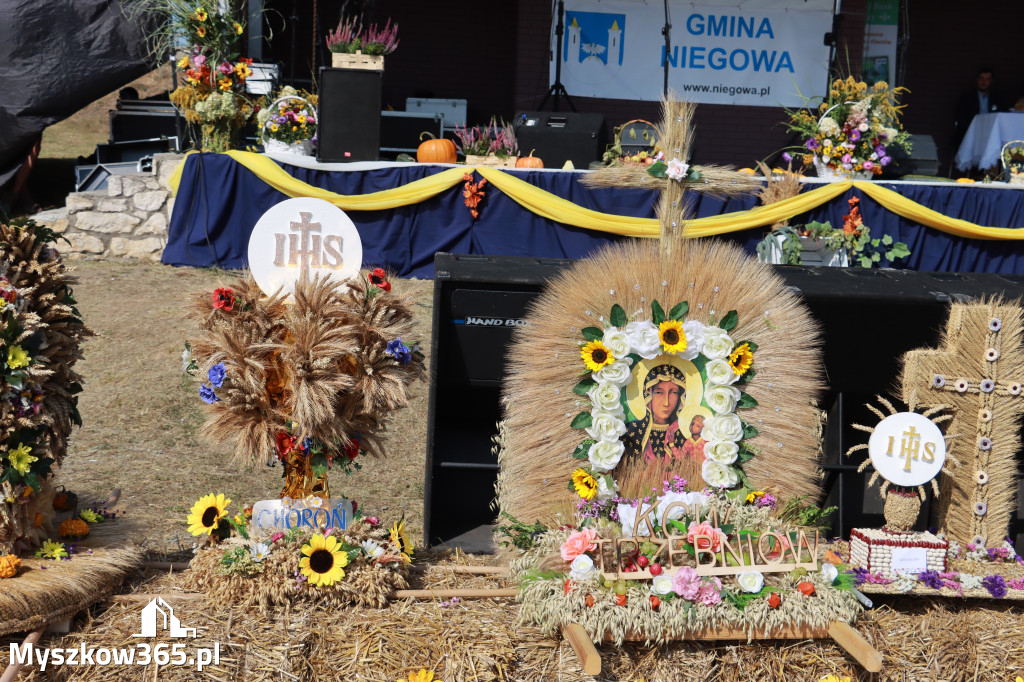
(907, 449)
(303, 236)
(276, 515)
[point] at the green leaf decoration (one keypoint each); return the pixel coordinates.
(746, 400)
(887, 239)
(679, 311)
(657, 169)
(634, 357)
(865, 261)
(728, 322)
(744, 455)
(899, 250)
(592, 333)
(583, 449)
(618, 316)
(584, 385)
(657, 313)
(750, 344)
(748, 430)
(582, 420)
(694, 174)
(571, 487)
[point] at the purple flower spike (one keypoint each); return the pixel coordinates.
(787, 157)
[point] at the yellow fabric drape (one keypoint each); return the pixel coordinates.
(552, 207)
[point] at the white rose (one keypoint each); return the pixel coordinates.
(605, 426)
(676, 169)
(722, 399)
(662, 584)
(606, 397)
(616, 373)
(643, 339)
(717, 343)
(627, 517)
(723, 427)
(582, 568)
(616, 341)
(693, 502)
(719, 475)
(750, 581)
(720, 372)
(721, 451)
(604, 455)
(829, 573)
(607, 488)
(694, 332)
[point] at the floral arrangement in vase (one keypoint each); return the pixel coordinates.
(288, 122)
(496, 139)
(351, 37)
(855, 130)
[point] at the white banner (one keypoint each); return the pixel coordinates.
(751, 53)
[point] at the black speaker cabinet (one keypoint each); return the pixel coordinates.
(870, 318)
(349, 116)
(559, 137)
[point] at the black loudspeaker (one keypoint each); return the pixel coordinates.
(870, 318)
(559, 137)
(349, 115)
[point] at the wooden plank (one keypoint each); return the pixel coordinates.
(855, 645)
(465, 593)
(167, 565)
(736, 632)
(585, 650)
(12, 670)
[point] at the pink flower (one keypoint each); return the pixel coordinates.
(704, 528)
(686, 583)
(226, 68)
(868, 165)
(580, 542)
(276, 536)
(199, 60)
(710, 592)
(372, 520)
(847, 158)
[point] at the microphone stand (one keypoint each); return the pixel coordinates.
(557, 90)
(667, 32)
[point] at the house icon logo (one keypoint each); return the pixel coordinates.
(159, 612)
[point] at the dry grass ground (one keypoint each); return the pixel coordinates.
(141, 413)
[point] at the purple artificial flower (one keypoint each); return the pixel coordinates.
(217, 374)
(226, 68)
(880, 150)
(932, 579)
(280, 119)
(859, 576)
(996, 586)
(399, 351)
(811, 144)
(885, 160)
(787, 157)
(854, 135)
(207, 395)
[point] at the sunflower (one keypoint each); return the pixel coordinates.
(585, 484)
(200, 14)
(207, 514)
(201, 31)
(421, 676)
(323, 561)
(401, 538)
(672, 336)
(741, 359)
(238, 28)
(596, 355)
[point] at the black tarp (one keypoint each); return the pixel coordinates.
(57, 56)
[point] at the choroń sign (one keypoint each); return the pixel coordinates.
(333, 513)
(303, 237)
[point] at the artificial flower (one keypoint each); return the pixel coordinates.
(207, 514)
(710, 592)
(216, 375)
(200, 14)
(643, 339)
(352, 449)
(372, 549)
(829, 573)
(314, 502)
(722, 399)
(73, 529)
(662, 585)
(616, 341)
(579, 542)
(605, 426)
(585, 484)
(721, 451)
(224, 84)
(378, 278)
(719, 475)
(90, 516)
(686, 583)
(226, 68)
(183, 62)
(750, 581)
(627, 517)
(718, 344)
(714, 536)
(672, 336)
(723, 427)
(834, 678)
(693, 501)
(17, 358)
(606, 397)
(754, 496)
(323, 560)
(224, 299)
(604, 455)
(582, 568)
(238, 28)
(201, 31)
(21, 459)
(421, 676)
(616, 373)
(208, 395)
(676, 169)
(720, 373)
(277, 536)
(399, 351)
(694, 331)
(741, 359)
(596, 355)
(400, 537)
(259, 551)
(52, 550)
(607, 488)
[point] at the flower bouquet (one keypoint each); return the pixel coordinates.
(492, 145)
(370, 44)
(288, 122)
(853, 132)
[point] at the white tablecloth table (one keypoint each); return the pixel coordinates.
(985, 138)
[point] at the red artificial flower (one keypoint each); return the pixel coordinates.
(473, 192)
(352, 449)
(285, 443)
(621, 599)
(655, 602)
(223, 299)
(568, 585)
(590, 600)
(852, 221)
(774, 600)
(378, 278)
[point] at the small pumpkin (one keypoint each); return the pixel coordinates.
(65, 500)
(9, 565)
(530, 161)
(74, 529)
(434, 150)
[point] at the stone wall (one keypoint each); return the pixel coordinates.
(128, 219)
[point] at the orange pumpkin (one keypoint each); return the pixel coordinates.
(530, 161)
(433, 150)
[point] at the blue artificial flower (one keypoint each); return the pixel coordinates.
(207, 394)
(216, 375)
(787, 157)
(399, 351)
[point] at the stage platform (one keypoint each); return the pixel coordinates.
(406, 212)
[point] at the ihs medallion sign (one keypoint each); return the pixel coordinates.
(907, 449)
(303, 237)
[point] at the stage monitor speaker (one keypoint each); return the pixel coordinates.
(559, 137)
(480, 300)
(349, 115)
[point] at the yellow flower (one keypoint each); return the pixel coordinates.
(17, 357)
(323, 560)
(672, 336)
(201, 31)
(224, 84)
(741, 359)
(401, 538)
(207, 513)
(300, 119)
(754, 495)
(20, 458)
(421, 676)
(238, 28)
(52, 550)
(273, 127)
(201, 14)
(183, 62)
(90, 516)
(585, 484)
(596, 355)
